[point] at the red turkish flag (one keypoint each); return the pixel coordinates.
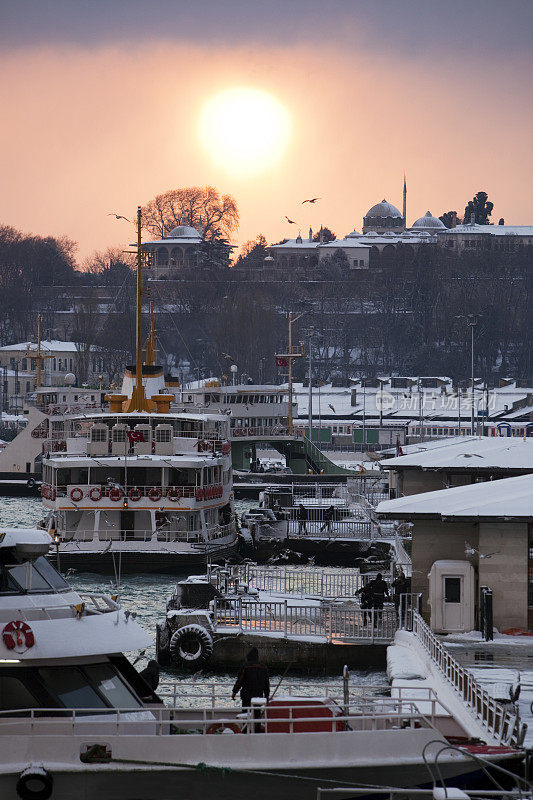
(136, 436)
(281, 362)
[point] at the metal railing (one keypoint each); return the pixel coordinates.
(337, 529)
(95, 603)
(263, 431)
(200, 536)
(334, 623)
(134, 492)
(282, 718)
(504, 724)
(304, 581)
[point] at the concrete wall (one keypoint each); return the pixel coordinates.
(416, 481)
(434, 540)
(506, 572)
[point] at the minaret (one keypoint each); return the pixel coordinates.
(404, 201)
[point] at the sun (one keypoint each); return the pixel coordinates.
(244, 130)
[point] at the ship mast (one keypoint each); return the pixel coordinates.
(138, 398)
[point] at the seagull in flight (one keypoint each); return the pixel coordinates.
(332, 408)
(118, 216)
(290, 221)
(311, 200)
(470, 551)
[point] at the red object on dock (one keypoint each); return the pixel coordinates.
(318, 714)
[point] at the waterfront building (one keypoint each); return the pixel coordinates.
(183, 248)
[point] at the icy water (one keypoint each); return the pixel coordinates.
(146, 595)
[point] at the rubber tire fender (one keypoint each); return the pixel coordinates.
(24, 790)
(162, 641)
(181, 657)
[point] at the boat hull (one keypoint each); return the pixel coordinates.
(126, 781)
(138, 561)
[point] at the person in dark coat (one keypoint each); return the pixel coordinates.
(150, 674)
(367, 600)
(302, 519)
(329, 515)
(252, 681)
(380, 593)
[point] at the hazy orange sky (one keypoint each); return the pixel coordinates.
(96, 126)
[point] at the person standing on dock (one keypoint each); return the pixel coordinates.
(380, 593)
(329, 516)
(367, 600)
(302, 519)
(253, 680)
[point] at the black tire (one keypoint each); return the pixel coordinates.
(30, 483)
(162, 641)
(191, 646)
(35, 784)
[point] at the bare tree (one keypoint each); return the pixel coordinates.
(199, 207)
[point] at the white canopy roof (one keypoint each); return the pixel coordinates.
(468, 453)
(506, 499)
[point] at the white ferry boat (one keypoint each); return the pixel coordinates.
(77, 720)
(139, 487)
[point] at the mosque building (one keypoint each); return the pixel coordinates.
(183, 247)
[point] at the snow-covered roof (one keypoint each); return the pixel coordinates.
(494, 230)
(296, 243)
(383, 209)
(428, 221)
(509, 497)
(470, 453)
(53, 345)
(347, 242)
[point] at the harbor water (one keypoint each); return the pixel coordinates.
(146, 594)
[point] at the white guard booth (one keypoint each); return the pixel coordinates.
(452, 596)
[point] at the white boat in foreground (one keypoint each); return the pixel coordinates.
(78, 721)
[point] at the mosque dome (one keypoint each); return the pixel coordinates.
(184, 232)
(383, 209)
(428, 222)
(353, 235)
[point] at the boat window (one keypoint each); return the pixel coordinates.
(14, 694)
(71, 686)
(27, 578)
(51, 575)
(111, 686)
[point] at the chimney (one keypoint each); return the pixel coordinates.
(353, 398)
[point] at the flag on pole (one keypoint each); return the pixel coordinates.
(136, 436)
(281, 361)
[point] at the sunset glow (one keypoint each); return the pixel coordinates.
(244, 130)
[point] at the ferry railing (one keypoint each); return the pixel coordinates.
(133, 492)
(161, 721)
(502, 723)
(294, 581)
(333, 622)
(348, 792)
(200, 536)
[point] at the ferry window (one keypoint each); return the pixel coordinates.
(110, 685)
(452, 590)
(13, 694)
(71, 687)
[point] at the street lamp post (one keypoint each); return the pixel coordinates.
(472, 320)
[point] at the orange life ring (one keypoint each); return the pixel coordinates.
(135, 494)
(115, 494)
(76, 494)
(18, 635)
(155, 494)
(218, 727)
(95, 493)
(174, 494)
